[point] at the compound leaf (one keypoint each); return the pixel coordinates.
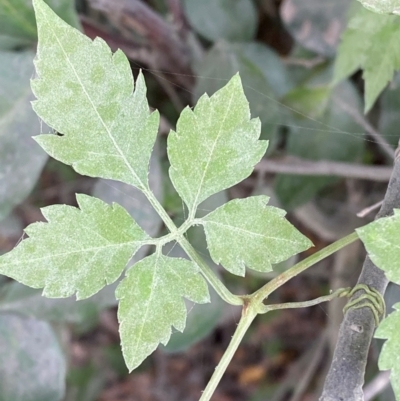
(151, 301)
(389, 330)
(85, 93)
(215, 145)
(78, 250)
(381, 239)
(361, 47)
(247, 232)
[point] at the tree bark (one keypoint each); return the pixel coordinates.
(346, 374)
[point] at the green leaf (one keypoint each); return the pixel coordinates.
(311, 102)
(222, 19)
(151, 301)
(215, 145)
(381, 239)
(17, 21)
(85, 93)
(21, 159)
(389, 330)
(78, 250)
(246, 232)
(382, 6)
(32, 364)
(361, 47)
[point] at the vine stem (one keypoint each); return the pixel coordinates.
(278, 281)
(247, 318)
(249, 313)
(340, 292)
(207, 272)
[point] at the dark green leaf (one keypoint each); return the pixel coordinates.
(15, 297)
(310, 102)
(389, 116)
(222, 19)
(335, 136)
(21, 159)
(85, 383)
(316, 24)
(32, 365)
(17, 20)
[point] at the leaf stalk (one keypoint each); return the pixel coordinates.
(247, 318)
(207, 272)
(278, 281)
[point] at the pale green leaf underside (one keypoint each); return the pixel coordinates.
(151, 302)
(215, 145)
(389, 330)
(78, 250)
(381, 239)
(85, 93)
(382, 6)
(361, 47)
(246, 232)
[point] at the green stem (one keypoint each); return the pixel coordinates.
(207, 272)
(278, 281)
(341, 292)
(244, 323)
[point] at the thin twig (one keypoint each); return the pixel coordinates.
(360, 119)
(296, 166)
(303, 62)
(369, 209)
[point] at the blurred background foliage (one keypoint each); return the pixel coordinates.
(326, 161)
